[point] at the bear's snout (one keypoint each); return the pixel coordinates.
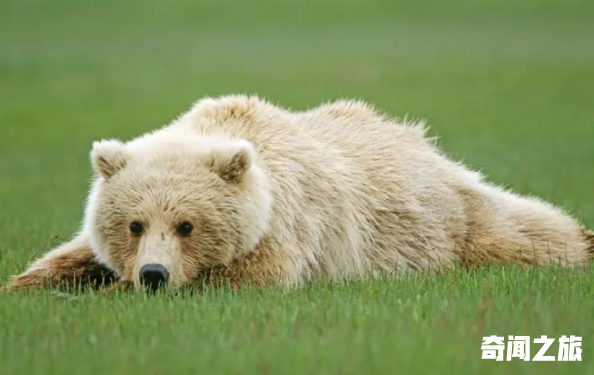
(154, 276)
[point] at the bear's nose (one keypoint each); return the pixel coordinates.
(154, 276)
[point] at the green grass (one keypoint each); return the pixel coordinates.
(507, 85)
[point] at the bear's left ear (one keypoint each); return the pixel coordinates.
(108, 157)
(232, 161)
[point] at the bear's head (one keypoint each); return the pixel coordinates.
(168, 206)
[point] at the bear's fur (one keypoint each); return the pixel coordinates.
(280, 197)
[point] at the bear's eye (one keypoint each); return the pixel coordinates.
(185, 228)
(136, 227)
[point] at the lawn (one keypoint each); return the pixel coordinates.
(508, 86)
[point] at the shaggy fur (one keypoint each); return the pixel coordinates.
(280, 197)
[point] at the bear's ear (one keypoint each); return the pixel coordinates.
(232, 160)
(108, 157)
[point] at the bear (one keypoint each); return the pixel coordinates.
(239, 191)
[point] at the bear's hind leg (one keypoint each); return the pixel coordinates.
(510, 229)
(69, 262)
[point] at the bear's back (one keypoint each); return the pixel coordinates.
(347, 180)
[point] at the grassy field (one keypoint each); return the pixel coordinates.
(507, 85)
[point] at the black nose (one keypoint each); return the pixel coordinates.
(154, 276)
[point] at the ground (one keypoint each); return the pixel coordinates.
(507, 86)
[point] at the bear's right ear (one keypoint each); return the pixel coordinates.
(232, 160)
(108, 157)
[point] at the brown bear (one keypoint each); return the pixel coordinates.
(238, 190)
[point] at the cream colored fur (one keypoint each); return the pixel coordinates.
(337, 191)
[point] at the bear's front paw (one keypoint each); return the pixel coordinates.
(33, 279)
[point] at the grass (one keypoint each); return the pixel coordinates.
(506, 85)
